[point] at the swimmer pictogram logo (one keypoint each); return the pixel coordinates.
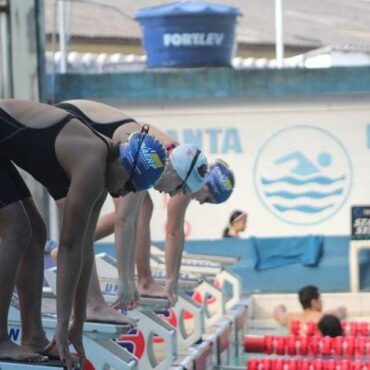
(303, 174)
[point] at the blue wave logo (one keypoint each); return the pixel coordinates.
(303, 174)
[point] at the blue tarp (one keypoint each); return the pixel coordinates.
(276, 252)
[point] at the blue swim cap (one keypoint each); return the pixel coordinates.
(144, 158)
(220, 180)
(190, 164)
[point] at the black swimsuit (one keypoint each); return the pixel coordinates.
(100, 129)
(106, 129)
(32, 149)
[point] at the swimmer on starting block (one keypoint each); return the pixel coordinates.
(76, 163)
(185, 173)
(217, 189)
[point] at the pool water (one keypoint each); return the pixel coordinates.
(255, 327)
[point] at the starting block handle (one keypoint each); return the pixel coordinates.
(226, 276)
(204, 289)
(183, 305)
(150, 324)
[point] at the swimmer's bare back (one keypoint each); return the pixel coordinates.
(30, 114)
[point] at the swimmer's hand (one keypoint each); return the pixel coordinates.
(281, 315)
(171, 291)
(127, 296)
(279, 308)
(62, 340)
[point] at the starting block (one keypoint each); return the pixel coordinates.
(205, 308)
(226, 278)
(223, 260)
(138, 342)
(189, 265)
(177, 316)
(186, 308)
(214, 307)
(222, 332)
(206, 294)
(150, 354)
(101, 351)
(223, 278)
(106, 266)
(212, 300)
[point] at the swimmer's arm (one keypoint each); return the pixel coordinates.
(82, 195)
(125, 231)
(281, 315)
(79, 307)
(175, 237)
(143, 242)
(105, 226)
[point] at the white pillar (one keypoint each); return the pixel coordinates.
(5, 72)
(62, 36)
(279, 41)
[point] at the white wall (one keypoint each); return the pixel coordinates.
(330, 133)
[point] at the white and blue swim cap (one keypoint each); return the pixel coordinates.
(220, 180)
(144, 158)
(190, 164)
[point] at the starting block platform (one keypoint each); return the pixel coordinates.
(224, 260)
(107, 270)
(199, 267)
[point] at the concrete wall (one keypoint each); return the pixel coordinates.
(176, 95)
(209, 83)
(231, 115)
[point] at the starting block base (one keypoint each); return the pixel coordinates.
(44, 365)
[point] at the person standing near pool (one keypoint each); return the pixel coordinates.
(237, 224)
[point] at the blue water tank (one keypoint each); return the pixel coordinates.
(188, 34)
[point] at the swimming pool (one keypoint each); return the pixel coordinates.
(260, 322)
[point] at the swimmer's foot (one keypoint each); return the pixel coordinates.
(38, 345)
(150, 288)
(13, 352)
(105, 313)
